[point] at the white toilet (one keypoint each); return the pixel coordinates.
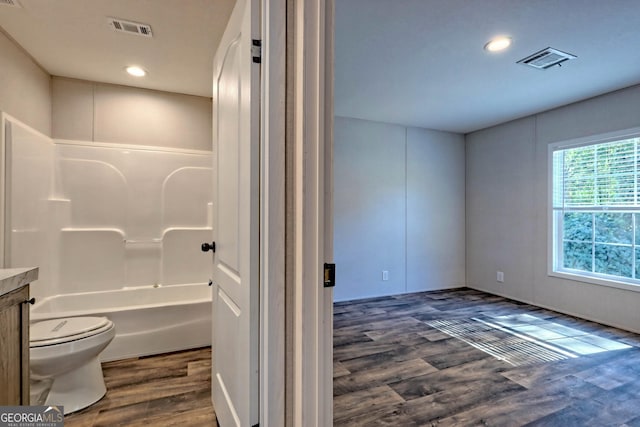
(64, 360)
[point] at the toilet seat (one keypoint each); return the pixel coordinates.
(57, 331)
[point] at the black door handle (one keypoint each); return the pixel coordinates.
(206, 247)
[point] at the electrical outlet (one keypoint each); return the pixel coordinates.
(385, 275)
(500, 276)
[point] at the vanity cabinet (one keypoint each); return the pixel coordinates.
(14, 339)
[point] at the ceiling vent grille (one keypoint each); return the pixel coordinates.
(12, 3)
(129, 27)
(546, 58)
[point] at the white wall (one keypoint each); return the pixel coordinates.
(399, 206)
(507, 203)
(25, 88)
(369, 208)
(101, 112)
(66, 108)
(435, 210)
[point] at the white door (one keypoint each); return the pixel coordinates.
(236, 80)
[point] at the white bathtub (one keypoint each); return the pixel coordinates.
(149, 320)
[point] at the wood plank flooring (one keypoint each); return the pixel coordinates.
(392, 369)
(167, 390)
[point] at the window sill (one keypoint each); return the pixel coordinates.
(596, 280)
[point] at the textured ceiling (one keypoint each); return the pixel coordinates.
(422, 63)
(412, 62)
(71, 38)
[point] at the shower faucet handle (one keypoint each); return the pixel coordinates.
(206, 247)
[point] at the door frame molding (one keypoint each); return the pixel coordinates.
(272, 214)
(309, 210)
(296, 220)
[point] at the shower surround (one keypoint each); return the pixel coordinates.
(116, 230)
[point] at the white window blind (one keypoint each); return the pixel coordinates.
(596, 210)
(599, 176)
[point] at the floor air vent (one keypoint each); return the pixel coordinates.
(546, 58)
(129, 27)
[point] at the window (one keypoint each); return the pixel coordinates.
(596, 209)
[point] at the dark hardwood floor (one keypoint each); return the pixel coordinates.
(447, 358)
(396, 363)
(166, 390)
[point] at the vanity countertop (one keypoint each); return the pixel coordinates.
(14, 278)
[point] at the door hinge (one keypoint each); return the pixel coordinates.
(256, 51)
(329, 275)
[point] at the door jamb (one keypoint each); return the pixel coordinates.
(272, 214)
(296, 365)
(309, 121)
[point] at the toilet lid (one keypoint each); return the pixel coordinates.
(67, 329)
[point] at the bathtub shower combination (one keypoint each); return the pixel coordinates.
(116, 232)
(149, 320)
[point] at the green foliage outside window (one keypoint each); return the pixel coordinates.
(598, 190)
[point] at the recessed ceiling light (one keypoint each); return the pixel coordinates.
(136, 71)
(498, 44)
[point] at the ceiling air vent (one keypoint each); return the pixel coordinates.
(12, 3)
(129, 27)
(546, 58)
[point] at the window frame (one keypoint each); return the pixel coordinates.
(555, 246)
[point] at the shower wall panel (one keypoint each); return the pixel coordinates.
(91, 260)
(148, 211)
(28, 241)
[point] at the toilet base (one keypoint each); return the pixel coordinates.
(78, 388)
